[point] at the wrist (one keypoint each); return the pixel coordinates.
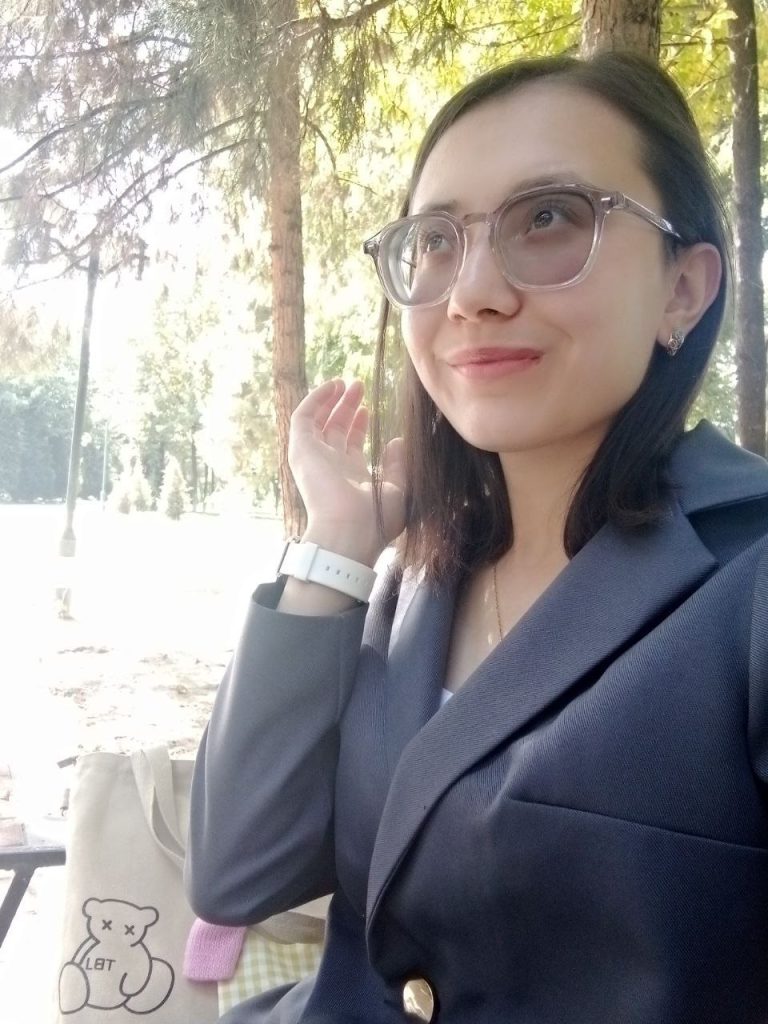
(343, 540)
(308, 562)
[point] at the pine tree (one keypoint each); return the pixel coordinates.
(173, 492)
(140, 492)
(119, 101)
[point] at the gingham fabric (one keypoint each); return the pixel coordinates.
(265, 964)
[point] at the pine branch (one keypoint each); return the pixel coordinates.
(47, 280)
(325, 21)
(359, 184)
(91, 51)
(319, 133)
(564, 24)
(126, 105)
(144, 197)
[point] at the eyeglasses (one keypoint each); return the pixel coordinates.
(542, 239)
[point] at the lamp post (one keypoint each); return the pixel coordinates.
(68, 542)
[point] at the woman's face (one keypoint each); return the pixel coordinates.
(589, 344)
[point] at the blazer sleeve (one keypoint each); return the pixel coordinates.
(758, 671)
(261, 817)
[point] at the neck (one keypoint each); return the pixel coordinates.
(541, 484)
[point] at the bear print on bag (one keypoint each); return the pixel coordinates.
(113, 967)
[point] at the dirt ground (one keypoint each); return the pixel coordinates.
(156, 609)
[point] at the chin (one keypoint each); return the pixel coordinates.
(490, 437)
(528, 436)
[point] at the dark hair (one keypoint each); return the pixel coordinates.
(457, 509)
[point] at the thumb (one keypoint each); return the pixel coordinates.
(393, 463)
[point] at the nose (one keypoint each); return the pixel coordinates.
(481, 291)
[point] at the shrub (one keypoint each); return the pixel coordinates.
(120, 496)
(131, 491)
(140, 491)
(173, 491)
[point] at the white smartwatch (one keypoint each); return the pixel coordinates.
(312, 564)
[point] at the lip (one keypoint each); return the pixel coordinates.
(482, 363)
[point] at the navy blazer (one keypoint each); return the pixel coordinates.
(579, 836)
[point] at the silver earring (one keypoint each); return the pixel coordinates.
(675, 343)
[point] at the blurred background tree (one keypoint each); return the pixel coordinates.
(161, 132)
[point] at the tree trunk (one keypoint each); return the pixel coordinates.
(283, 132)
(621, 25)
(749, 318)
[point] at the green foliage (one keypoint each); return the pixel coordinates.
(139, 489)
(35, 435)
(98, 88)
(118, 105)
(717, 399)
(131, 492)
(117, 102)
(172, 380)
(34, 466)
(173, 492)
(238, 438)
(11, 441)
(120, 498)
(27, 344)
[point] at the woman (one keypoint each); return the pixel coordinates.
(533, 773)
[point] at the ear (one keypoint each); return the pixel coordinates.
(148, 915)
(91, 907)
(694, 279)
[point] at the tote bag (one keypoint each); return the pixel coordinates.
(126, 918)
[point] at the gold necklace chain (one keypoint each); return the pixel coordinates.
(496, 602)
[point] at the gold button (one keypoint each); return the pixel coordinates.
(419, 999)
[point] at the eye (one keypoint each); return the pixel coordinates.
(428, 245)
(433, 241)
(543, 219)
(548, 214)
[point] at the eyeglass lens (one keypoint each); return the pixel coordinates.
(541, 240)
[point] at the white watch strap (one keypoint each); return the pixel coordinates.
(313, 564)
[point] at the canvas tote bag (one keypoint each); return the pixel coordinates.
(126, 918)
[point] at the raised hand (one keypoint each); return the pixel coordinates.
(327, 459)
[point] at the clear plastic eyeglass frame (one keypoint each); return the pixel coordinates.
(602, 201)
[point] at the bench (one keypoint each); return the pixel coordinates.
(23, 861)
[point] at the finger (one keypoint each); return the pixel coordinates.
(340, 420)
(358, 430)
(313, 410)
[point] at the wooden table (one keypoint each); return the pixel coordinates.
(24, 861)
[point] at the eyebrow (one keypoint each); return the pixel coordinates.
(564, 178)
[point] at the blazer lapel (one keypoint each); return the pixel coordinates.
(615, 588)
(416, 662)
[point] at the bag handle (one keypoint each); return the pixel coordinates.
(153, 774)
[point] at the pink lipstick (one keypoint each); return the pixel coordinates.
(488, 363)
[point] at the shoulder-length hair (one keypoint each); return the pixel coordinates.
(457, 509)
